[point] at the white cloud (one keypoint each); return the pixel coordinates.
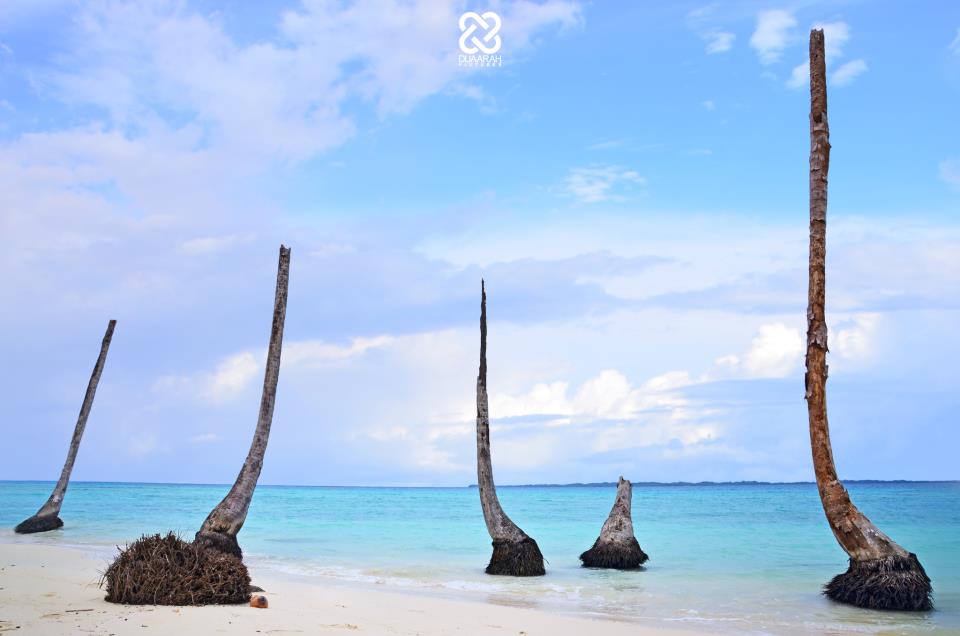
(955, 45)
(668, 381)
(709, 105)
(718, 41)
(306, 352)
(848, 72)
(772, 34)
(835, 37)
(595, 184)
(609, 395)
(949, 171)
(236, 373)
(605, 414)
(800, 75)
(775, 352)
(280, 99)
(854, 338)
(544, 398)
(233, 375)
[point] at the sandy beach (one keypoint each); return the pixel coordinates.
(54, 590)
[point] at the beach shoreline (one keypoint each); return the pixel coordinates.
(55, 590)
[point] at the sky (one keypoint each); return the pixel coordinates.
(631, 181)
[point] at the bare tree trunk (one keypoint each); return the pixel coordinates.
(617, 547)
(882, 574)
(514, 553)
(219, 530)
(47, 518)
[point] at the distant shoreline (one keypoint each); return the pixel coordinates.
(603, 484)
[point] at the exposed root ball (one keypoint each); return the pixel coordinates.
(619, 556)
(220, 542)
(38, 524)
(516, 559)
(892, 583)
(157, 570)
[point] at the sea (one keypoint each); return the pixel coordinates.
(745, 558)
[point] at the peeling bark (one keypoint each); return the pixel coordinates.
(219, 530)
(514, 553)
(617, 547)
(869, 549)
(48, 517)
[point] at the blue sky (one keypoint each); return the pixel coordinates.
(631, 182)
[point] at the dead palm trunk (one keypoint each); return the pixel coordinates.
(48, 517)
(219, 530)
(514, 553)
(617, 547)
(882, 575)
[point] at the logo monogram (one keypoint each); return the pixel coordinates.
(489, 23)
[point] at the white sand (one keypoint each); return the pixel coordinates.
(54, 590)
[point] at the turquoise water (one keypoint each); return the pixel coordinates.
(735, 558)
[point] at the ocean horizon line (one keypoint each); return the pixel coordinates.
(602, 484)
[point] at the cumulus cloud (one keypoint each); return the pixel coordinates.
(605, 414)
(237, 373)
(854, 338)
(607, 396)
(232, 376)
(595, 184)
(176, 121)
(280, 98)
(772, 34)
(835, 37)
(775, 352)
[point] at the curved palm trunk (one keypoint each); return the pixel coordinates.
(514, 553)
(617, 547)
(48, 517)
(882, 575)
(219, 530)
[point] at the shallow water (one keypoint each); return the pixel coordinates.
(734, 558)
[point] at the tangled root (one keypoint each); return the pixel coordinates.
(516, 558)
(614, 555)
(38, 523)
(157, 570)
(891, 583)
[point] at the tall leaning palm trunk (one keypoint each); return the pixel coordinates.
(514, 553)
(617, 547)
(219, 530)
(882, 575)
(48, 517)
